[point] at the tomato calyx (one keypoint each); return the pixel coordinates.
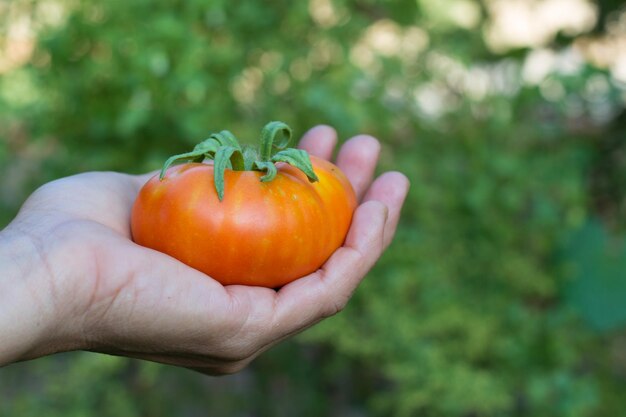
(226, 152)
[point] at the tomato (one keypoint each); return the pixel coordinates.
(260, 233)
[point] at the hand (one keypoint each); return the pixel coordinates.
(85, 285)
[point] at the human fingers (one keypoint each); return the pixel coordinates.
(357, 159)
(319, 141)
(391, 189)
(308, 300)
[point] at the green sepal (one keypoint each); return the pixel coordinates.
(226, 138)
(192, 156)
(223, 159)
(224, 148)
(203, 150)
(269, 134)
(269, 168)
(207, 146)
(250, 155)
(299, 159)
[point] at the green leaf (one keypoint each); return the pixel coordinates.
(598, 286)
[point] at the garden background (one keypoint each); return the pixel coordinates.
(504, 293)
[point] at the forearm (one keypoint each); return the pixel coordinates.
(26, 311)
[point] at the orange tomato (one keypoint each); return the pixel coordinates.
(261, 233)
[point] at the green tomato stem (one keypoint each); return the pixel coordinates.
(224, 148)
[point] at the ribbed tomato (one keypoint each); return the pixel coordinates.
(260, 233)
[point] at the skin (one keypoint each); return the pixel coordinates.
(74, 280)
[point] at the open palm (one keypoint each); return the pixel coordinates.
(115, 296)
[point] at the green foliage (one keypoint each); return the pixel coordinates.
(465, 314)
(598, 269)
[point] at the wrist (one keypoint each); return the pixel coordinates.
(28, 318)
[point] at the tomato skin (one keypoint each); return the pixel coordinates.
(261, 234)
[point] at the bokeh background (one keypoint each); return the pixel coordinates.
(504, 293)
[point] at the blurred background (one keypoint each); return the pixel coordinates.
(504, 293)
